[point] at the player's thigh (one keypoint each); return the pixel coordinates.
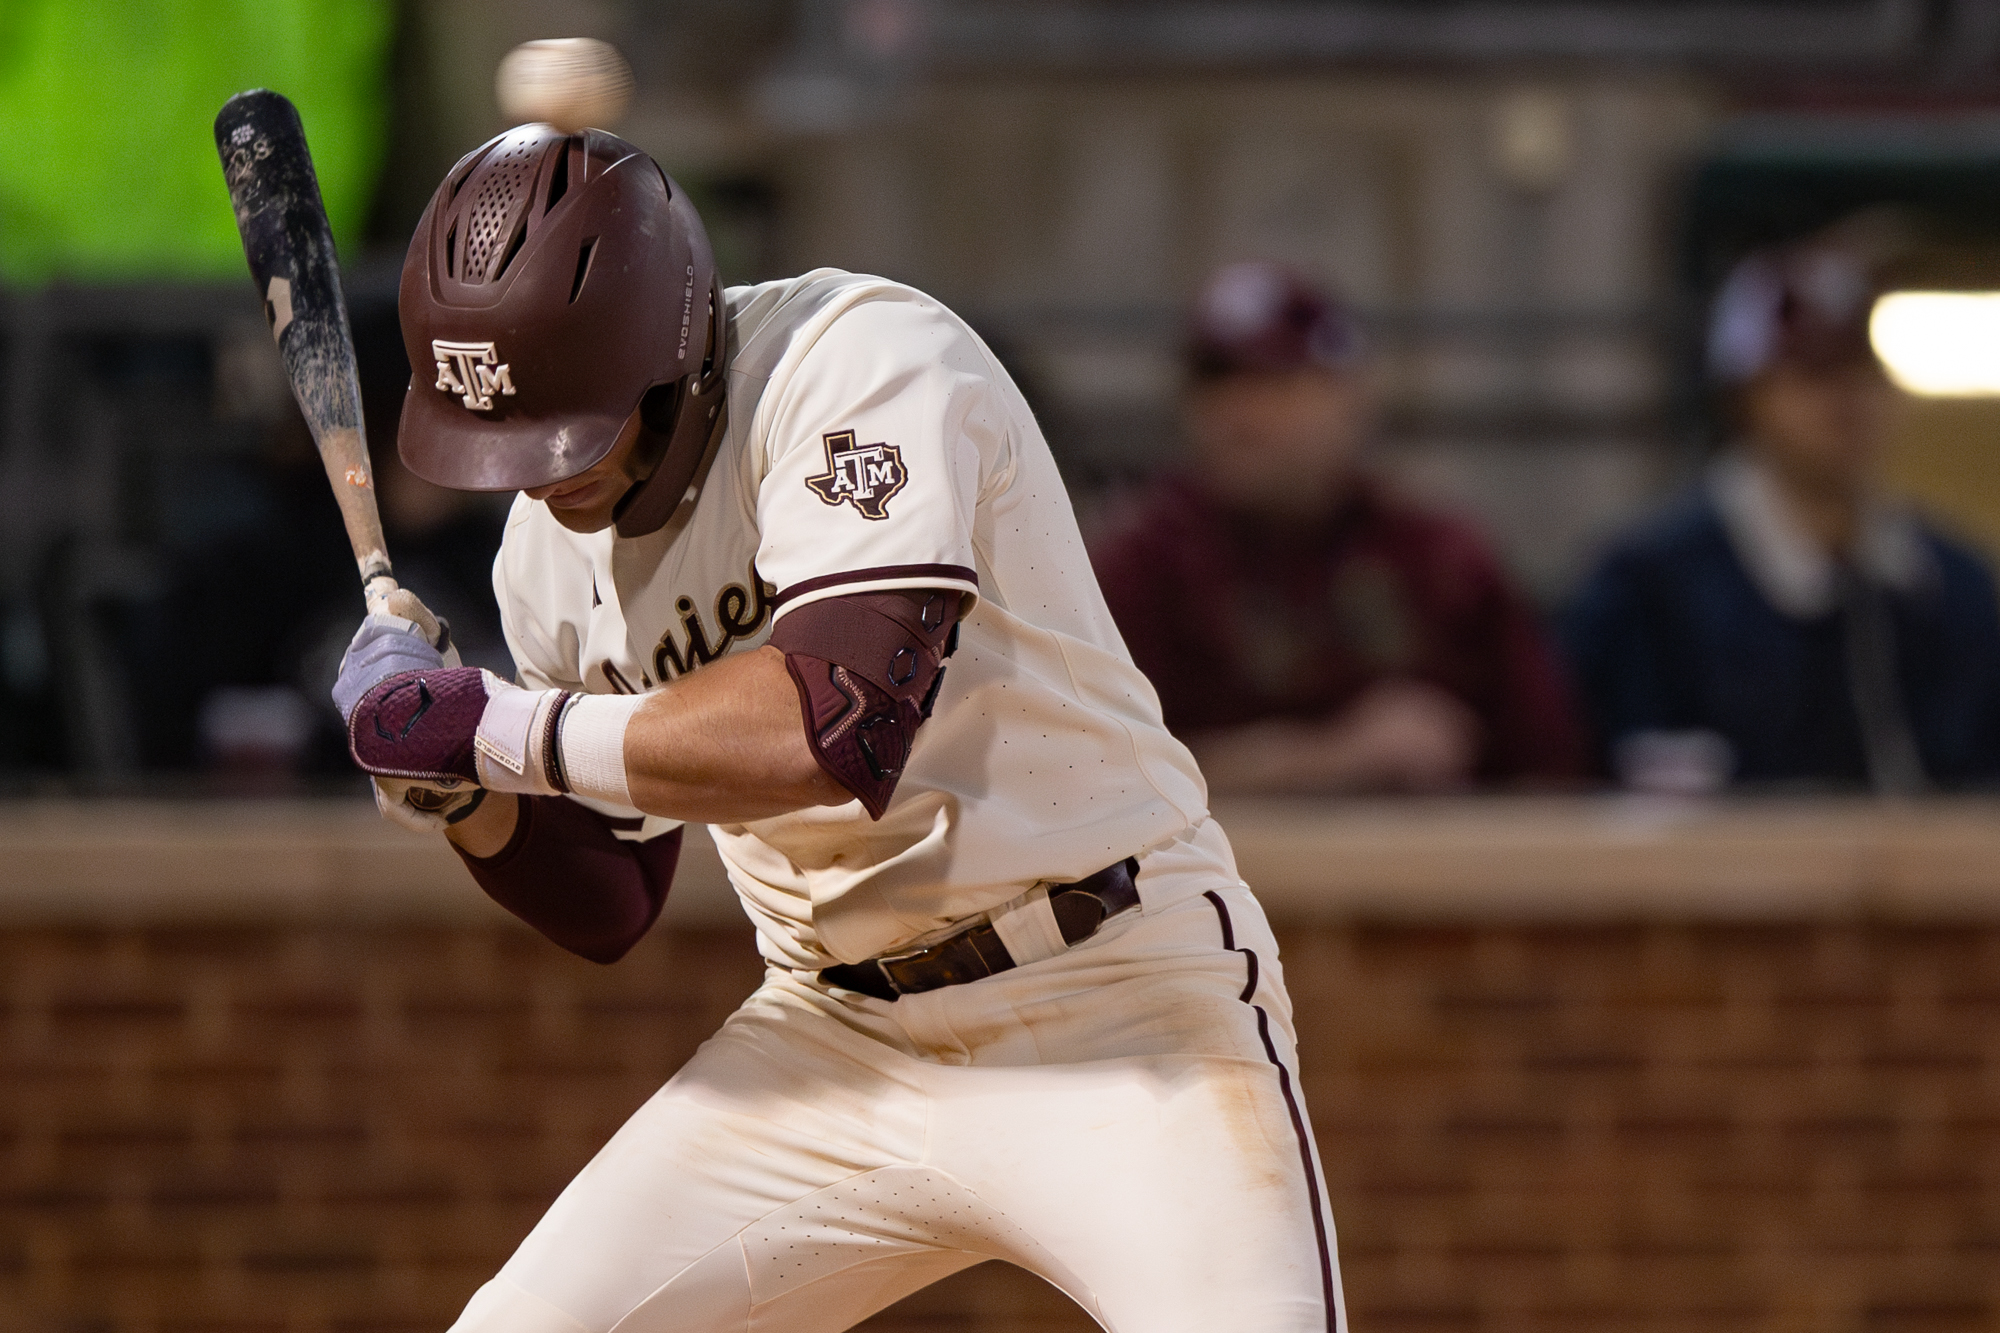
(777, 1107)
(1164, 1150)
(1174, 1189)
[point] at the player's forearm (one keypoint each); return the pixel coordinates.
(725, 745)
(486, 830)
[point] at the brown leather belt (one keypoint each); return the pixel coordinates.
(977, 951)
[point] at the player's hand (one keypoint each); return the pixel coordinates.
(388, 644)
(406, 637)
(426, 807)
(444, 726)
(436, 630)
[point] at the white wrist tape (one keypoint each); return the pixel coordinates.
(593, 745)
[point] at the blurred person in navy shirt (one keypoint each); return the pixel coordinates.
(1783, 622)
(1309, 630)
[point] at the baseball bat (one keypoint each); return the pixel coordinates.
(290, 248)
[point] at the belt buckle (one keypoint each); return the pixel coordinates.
(883, 961)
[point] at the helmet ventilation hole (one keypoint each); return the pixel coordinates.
(513, 248)
(583, 254)
(451, 252)
(558, 180)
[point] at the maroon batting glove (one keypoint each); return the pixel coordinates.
(420, 724)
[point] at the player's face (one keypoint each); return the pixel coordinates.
(1282, 443)
(1824, 428)
(588, 501)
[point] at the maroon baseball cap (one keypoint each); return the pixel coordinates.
(1805, 305)
(1265, 317)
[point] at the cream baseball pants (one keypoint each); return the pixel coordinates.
(1123, 1119)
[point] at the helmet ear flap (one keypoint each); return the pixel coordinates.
(659, 411)
(680, 419)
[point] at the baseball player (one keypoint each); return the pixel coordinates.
(793, 561)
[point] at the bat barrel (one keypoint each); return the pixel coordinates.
(289, 246)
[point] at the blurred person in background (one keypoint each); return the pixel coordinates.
(1309, 630)
(1784, 622)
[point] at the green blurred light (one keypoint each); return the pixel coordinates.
(108, 170)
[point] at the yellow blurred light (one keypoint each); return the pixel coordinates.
(1939, 344)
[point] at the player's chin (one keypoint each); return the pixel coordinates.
(595, 518)
(591, 509)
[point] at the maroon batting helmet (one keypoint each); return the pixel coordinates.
(556, 283)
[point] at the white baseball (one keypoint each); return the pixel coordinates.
(569, 82)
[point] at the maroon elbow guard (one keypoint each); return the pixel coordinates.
(868, 668)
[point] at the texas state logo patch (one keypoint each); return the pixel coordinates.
(866, 476)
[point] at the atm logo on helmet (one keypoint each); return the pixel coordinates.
(866, 476)
(473, 371)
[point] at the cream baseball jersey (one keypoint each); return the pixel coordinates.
(873, 442)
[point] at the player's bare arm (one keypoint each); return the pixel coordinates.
(723, 746)
(823, 714)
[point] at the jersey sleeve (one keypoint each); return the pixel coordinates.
(877, 444)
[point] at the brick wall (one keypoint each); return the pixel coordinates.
(319, 1129)
(1660, 1128)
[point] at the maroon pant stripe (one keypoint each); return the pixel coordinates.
(1291, 1105)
